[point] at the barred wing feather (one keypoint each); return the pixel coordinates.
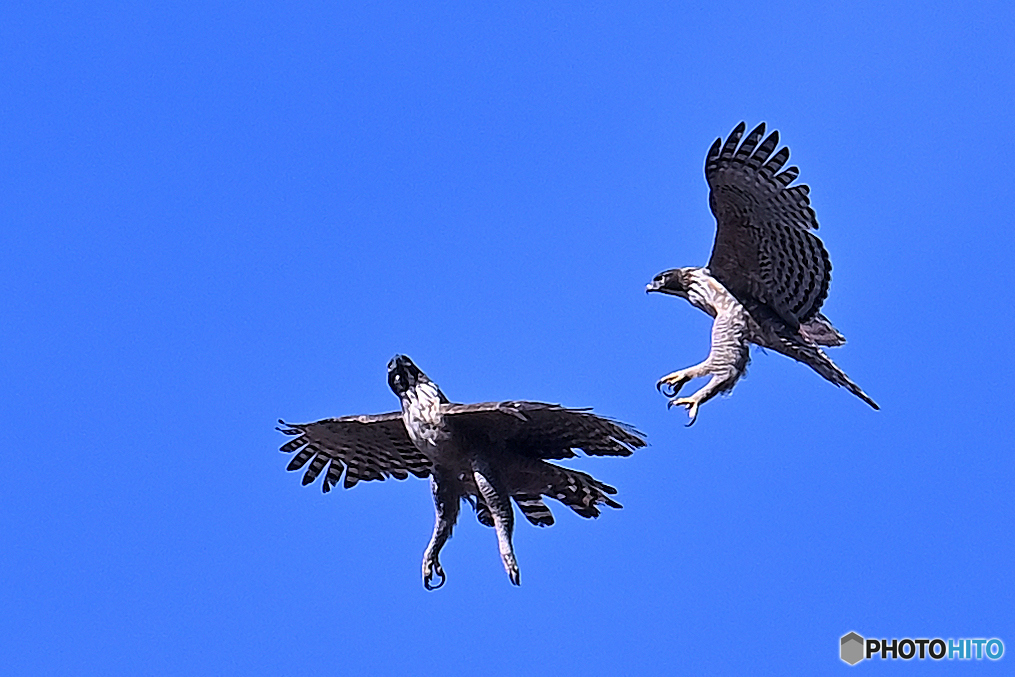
(546, 431)
(365, 447)
(765, 251)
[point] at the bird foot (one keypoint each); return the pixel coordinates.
(429, 570)
(671, 384)
(690, 404)
(511, 566)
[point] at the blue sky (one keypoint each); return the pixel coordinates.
(217, 214)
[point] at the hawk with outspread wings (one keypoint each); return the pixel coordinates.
(768, 275)
(486, 454)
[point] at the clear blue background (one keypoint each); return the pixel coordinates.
(217, 214)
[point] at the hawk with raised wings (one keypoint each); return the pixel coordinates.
(486, 454)
(768, 275)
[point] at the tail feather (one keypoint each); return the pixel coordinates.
(819, 330)
(816, 359)
(534, 509)
(483, 513)
(578, 491)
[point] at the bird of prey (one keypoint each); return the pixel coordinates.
(768, 275)
(486, 454)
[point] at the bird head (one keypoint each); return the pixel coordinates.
(674, 282)
(404, 375)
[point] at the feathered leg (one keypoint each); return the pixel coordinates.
(446, 503)
(498, 500)
(726, 362)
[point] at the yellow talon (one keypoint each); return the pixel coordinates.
(671, 384)
(692, 408)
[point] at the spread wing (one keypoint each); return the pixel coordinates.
(764, 249)
(366, 447)
(545, 431)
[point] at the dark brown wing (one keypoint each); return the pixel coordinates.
(764, 249)
(544, 431)
(366, 447)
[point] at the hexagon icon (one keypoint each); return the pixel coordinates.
(851, 648)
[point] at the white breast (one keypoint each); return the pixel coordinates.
(421, 411)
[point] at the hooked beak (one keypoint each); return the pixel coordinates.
(657, 286)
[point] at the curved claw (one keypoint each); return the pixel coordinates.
(668, 389)
(692, 409)
(511, 567)
(689, 404)
(428, 576)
